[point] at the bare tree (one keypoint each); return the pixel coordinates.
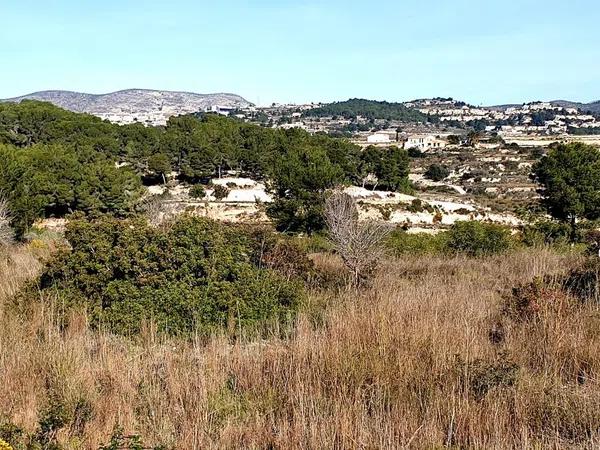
(358, 243)
(159, 210)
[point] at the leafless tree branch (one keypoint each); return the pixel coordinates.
(358, 243)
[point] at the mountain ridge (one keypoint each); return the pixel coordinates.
(148, 106)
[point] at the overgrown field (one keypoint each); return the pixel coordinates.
(436, 351)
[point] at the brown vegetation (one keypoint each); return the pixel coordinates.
(425, 357)
(358, 243)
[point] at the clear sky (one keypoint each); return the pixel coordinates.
(481, 51)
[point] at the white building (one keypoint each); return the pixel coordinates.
(424, 142)
(223, 110)
(378, 138)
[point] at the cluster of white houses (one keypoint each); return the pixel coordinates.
(521, 117)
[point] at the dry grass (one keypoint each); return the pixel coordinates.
(405, 363)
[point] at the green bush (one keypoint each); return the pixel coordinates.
(477, 238)
(437, 172)
(195, 275)
(315, 243)
(467, 237)
(197, 191)
(220, 192)
(414, 152)
(481, 376)
(545, 232)
(402, 243)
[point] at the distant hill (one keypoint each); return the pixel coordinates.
(370, 109)
(142, 105)
(593, 107)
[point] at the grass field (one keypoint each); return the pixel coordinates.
(423, 358)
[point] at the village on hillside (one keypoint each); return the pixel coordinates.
(470, 163)
(465, 162)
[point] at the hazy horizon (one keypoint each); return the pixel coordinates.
(297, 52)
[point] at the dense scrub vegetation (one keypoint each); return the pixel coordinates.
(469, 238)
(369, 109)
(193, 276)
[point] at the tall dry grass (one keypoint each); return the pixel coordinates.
(406, 363)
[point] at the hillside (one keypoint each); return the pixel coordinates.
(136, 105)
(593, 107)
(369, 109)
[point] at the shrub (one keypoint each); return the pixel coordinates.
(197, 191)
(386, 212)
(592, 238)
(314, 243)
(416, 206)
(477, 238)
(194, 275)
(481, 376)
(220, 192)
(463, 211)
(437, 172)
(528, 300)
(545, 232)
(120, 441)
(414, 152)
(56, 416)
(280, 253)
(402, 243)
(584, 282)
(558, 293)
(11, 436)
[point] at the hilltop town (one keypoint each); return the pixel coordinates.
(442, 116)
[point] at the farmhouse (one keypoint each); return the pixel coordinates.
(424, 142)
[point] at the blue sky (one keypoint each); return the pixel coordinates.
(484, 52)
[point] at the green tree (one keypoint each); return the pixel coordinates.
(220, 192)
(570, 179)
(389, 165)
(393, 169)
(299, 181)
(159, 163)
(53, 180)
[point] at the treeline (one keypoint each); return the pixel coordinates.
(55, 162)
(370, 109)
